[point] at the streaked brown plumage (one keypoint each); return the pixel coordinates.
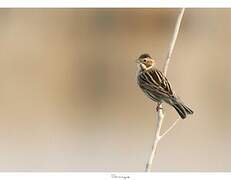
(156, 86)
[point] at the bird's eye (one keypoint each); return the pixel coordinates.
(145, 60)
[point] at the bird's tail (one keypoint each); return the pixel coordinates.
(182, 109)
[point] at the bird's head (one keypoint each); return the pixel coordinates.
(145, 61)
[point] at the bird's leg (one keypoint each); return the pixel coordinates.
(158, 107)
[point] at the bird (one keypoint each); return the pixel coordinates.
(156, 86)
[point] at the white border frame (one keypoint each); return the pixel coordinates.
(114, 3)
(114, 176)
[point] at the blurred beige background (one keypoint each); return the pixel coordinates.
(69, 99)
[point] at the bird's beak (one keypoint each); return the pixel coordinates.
(137, 61)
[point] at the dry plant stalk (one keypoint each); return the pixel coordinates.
(160, 113)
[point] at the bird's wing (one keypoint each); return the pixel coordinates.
(154, 81)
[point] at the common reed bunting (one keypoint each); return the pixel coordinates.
(156, 86)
